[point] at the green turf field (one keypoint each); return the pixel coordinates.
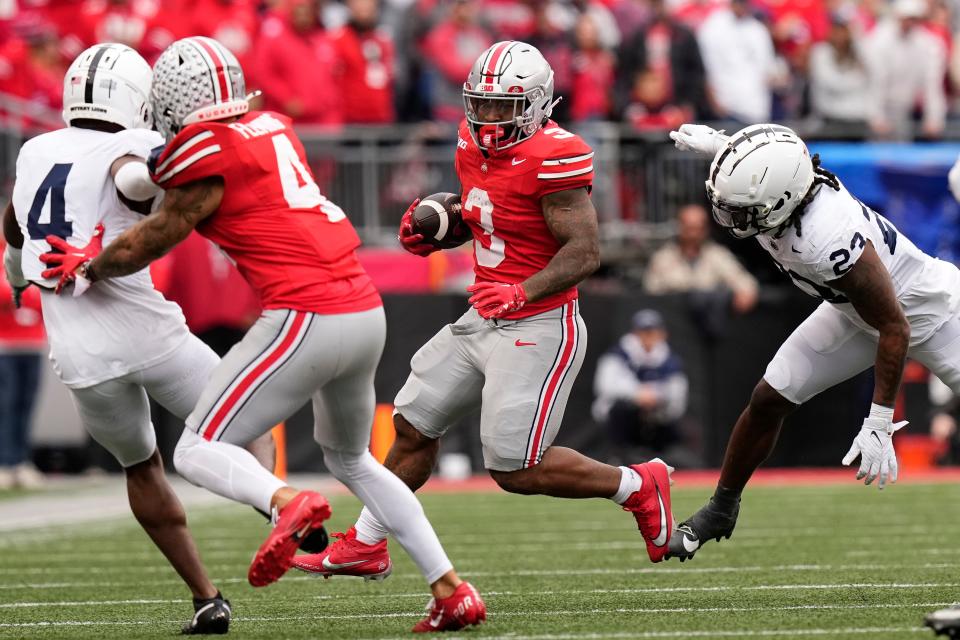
(834, 562)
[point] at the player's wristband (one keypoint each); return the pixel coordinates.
(881, 416)
(86, 271)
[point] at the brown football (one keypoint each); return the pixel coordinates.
(438, 219)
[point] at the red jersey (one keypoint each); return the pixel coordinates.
(294, 247)
(501, 204)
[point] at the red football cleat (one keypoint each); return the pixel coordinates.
(651, 507)
(348, 557)
(464, 607)
(307, 511)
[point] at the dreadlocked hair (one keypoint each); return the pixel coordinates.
(820, 176)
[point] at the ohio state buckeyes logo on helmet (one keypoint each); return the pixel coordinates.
(196, 79)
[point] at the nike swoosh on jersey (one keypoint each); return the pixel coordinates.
(517, 161)
(333, 566)
(661, 538)
(520, 343)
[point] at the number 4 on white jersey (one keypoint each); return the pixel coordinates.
(299, 189)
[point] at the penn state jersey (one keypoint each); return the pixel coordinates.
(64, 188)
(501, 196)
(834, 230)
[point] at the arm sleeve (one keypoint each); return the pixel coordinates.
(194, 154)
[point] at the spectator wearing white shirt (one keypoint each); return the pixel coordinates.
(741, 66)
(907, 66)
(839, 82)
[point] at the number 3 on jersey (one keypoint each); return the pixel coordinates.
(494, 254)
(299, 189)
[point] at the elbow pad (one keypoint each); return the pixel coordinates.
(133, 181)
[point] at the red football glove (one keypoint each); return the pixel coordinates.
(413, 242)
(496, 299)
(68, 261)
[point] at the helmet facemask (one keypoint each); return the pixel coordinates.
(508, 95)
(743, 221)
(759, 179)
(515, 122)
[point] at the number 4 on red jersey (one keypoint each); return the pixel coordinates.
(245, 150)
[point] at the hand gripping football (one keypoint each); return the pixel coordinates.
(438, 219)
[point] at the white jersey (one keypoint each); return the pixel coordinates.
(64, 188)
(834, 230)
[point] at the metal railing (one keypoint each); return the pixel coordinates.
(373, 173)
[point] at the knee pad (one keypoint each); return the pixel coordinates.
(345, 465)
(181, 454)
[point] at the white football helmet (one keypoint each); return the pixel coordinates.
(108, 82)
(758, 178)
(516, 80)
(196, 79)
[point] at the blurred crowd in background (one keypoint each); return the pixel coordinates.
(871, 65)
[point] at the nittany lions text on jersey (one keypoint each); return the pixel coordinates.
(833, 232)
(64, 188)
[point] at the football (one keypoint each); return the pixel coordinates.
(438, 219)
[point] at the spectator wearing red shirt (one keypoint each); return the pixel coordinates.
(593, 68)
(231, 22)
(22, 342)
(293, 65)
(32, 70)
(140, 24)
(450, 49)
(364, 65)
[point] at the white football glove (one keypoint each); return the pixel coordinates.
(874, 445)
(953, 179)
(699, 138)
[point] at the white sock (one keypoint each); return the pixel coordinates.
(391, 502)
(225, 469)
(369, 529)
(630, 481)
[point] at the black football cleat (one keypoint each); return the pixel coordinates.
(212, 616)
(710, 522)
(945, 622)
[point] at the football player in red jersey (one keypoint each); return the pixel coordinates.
(241, 179)
(515, 353)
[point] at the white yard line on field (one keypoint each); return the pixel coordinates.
(537, 573)
(510, 614)
(562, 592)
